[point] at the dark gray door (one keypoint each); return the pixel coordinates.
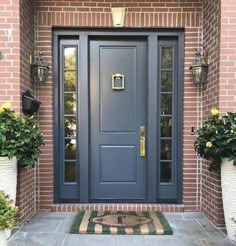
(118, 80)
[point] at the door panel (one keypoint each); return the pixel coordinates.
(117, 170)
(113, 162)
(118, 106)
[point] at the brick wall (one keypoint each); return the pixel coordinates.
(211, 43)
(211, 203)
(27, 33)
(26, 187)
(10, 47)
(26, 193)
(227, 82)
(227, 98)
(91, 13)
(219, 29)
(16, 38)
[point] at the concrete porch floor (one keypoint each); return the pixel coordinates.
(49, 229)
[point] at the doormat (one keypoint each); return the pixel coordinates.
(130, 223)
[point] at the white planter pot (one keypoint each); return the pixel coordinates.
(8, 176)
(3, 239)
(8, 180)
(228, 183)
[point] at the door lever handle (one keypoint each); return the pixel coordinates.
(142, 144)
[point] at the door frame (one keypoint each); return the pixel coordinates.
(152, 35)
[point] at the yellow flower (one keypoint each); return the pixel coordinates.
(6, 105)
(215, 112)
(208, 144)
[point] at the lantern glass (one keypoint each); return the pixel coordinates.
(199, 69)
(196, 74)
(39, 70)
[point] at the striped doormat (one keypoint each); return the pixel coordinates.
(137, 223)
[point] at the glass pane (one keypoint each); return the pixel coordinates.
(166, 149)
(70, 126)
(70, 81)
(166, 176)
(70, 149)
(166, 126)
(166, 81)
(166, 104)
(70, 58)
(69, 103)
(70, 171)
(166, 57)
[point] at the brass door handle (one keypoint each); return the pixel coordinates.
(142, 141)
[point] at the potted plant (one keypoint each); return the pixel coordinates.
(20, 141)
(8, 213)
(216, 142)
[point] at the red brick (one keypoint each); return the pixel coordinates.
(162, 13)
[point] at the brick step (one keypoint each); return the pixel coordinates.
(118, 207)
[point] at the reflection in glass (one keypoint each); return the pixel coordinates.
(70, 81)
(166, 176)
(166, 81)
(70, 126)
(70, 171)
(166, 149)
(70, 103)
(166, 104)
(70, 149)
(166, 57)
(70, 58)
(166, 126)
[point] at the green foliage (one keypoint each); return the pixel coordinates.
(217, 139)
(19, 137)
(8, 212)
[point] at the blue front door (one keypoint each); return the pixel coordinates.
(118, 81)
(118, 116)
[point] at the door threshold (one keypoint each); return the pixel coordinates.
(76, 207)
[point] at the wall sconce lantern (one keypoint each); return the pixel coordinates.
(1, 55)
(199, 69)
(39, 69)
(29, 104)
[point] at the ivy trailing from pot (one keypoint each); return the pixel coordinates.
(19, 136)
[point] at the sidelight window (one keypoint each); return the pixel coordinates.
(166, 113)
(70, 113)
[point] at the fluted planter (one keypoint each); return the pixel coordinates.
(8, 180)
(3, 239)
(228, 183)
(8, 176)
